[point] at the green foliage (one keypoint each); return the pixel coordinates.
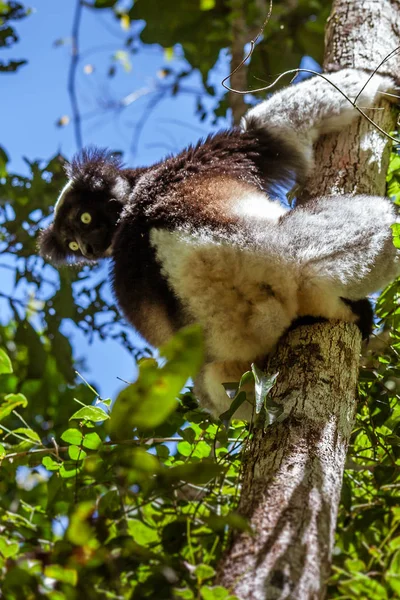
(9, 11)
(393, 175)
(143, 515)
(160, 385)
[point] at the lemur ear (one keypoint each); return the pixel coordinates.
(50, 246)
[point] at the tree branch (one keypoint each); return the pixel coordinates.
(76, 117)
(238, 80)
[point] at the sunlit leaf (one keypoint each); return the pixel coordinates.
(203, 572)
(207, 4)
(150, 400)
(92, 441)
(10, 403)
(28, 433)
(141, 533)
(76, 453)
(90, 413)
(80, 530)
(216, 593)
(396, 234)
(8, 548)
(72, 436)
(50, 464)
(5, 363)
(61, 574)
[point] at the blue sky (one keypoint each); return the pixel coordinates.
(34, 99)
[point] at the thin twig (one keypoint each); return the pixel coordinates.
(76, 116)
(393, 53)
(295, 71)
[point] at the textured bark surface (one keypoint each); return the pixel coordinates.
(293, 472)
(360, 35)
(238, 80)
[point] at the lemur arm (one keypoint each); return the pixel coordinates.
(302, 112)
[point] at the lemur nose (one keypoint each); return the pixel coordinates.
(86, 249)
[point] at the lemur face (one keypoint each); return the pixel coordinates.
(87, 210)
(83, 227)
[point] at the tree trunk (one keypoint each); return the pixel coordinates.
(293, 471)
(238, 80)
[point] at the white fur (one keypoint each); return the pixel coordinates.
(255, 205)
(303, 112)
(120, 189)
(244, 299)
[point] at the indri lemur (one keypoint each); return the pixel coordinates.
(197, 237)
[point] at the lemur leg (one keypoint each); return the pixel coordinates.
(304, 111)
(209, 389)
(343, 246)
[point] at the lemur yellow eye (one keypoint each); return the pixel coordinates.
(86, 218)
(74, 246)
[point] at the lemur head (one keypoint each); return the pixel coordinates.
(88, 208)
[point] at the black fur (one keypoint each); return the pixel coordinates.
(51, 246)
(363, 309)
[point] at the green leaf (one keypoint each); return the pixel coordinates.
(200, 472)
(90, 413)
(61, 574)
(183, 594)
(76, 453)
(235, 405)
(200, 449)
(80, 531)
(50, 464)
(5, 363)
(216, 593)
(109, 504)
(68, 472)
(141, 533)
(148, 402)
(92, 441)
(3, 154)
(203, 572)
(394, 164)
(396, 234)
(263, 385)
(29, 433)
(8, 548)
(2, 452)
(207, 4)
(185, 448)
(72, 436)
(10, 403)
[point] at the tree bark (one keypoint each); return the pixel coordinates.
(293, 471)
(238, 80)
